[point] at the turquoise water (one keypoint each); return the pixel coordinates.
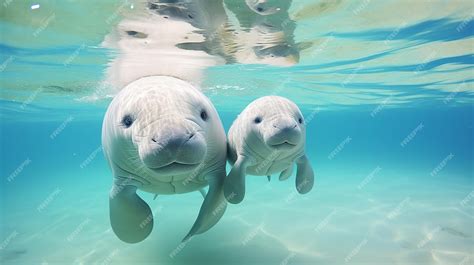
(386, 91)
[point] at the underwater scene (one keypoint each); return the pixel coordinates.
(236, 132)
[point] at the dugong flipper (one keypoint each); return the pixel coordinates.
(130, 216)
(234, 187)
(285, 174)
(268, 137)
(212, 208)
(304, 175)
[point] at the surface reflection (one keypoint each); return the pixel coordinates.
(182, 38)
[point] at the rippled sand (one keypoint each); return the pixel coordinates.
(383, 222)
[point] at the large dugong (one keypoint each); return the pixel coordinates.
(266, 138)
(162, 135)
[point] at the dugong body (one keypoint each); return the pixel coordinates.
(267, 137)
(161, 135)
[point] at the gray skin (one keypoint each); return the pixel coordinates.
(268, 137)
(161, 135)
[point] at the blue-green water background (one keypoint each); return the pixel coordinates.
(391, 144)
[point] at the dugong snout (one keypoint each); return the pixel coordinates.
(283, 133)
(172, 149)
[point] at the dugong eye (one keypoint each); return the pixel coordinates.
(257, 120)
(127, 121)
(204, 116)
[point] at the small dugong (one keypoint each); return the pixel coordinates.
(162, 135)
(266, 138)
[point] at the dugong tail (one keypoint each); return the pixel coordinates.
(212, 208)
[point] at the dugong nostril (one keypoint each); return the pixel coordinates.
(285, 126)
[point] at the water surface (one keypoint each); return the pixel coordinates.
(385, 88)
